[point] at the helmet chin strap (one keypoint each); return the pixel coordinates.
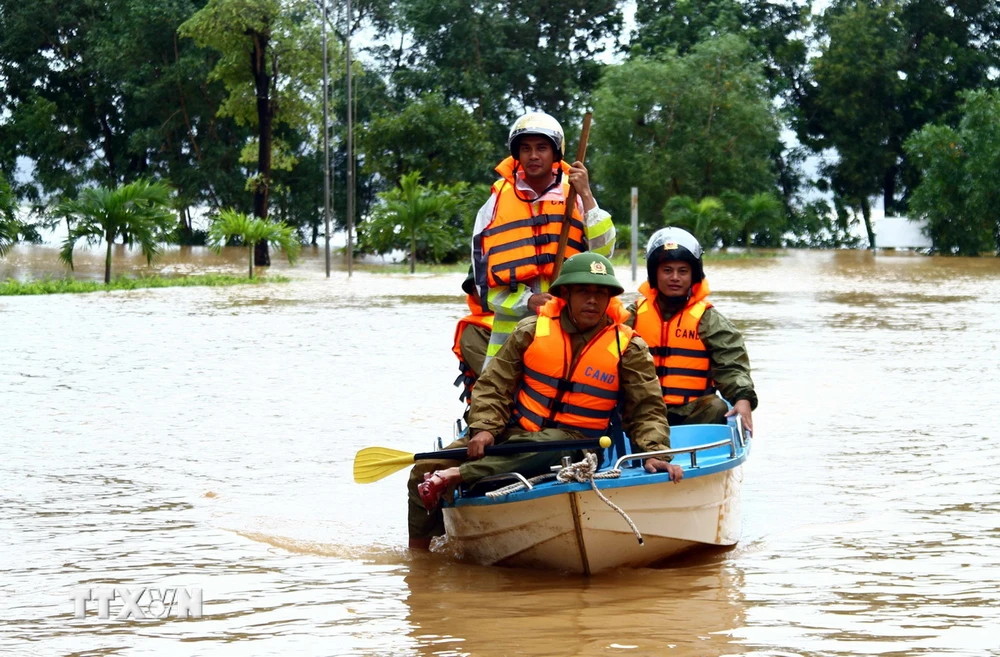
(517, 193)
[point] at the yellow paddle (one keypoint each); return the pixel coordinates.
(374, 463)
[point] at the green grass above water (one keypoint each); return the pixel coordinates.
(11, 287)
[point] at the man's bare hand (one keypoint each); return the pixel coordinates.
(536, 301)
(659, 465)
(580, 179)
(743, 408)
(477, 446)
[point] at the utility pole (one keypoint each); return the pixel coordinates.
(326, 144)
(350, 152)
(635, 231)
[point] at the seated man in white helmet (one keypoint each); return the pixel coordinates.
(697, 350)
(516, 234)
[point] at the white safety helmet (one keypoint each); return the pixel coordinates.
(673, 243)
(537, 123)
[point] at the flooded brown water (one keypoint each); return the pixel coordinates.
(203, 438)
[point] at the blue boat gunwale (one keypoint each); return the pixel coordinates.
(685, 437)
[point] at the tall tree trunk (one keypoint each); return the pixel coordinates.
(866, 211)
(183, 227)
(413, 252)
(250, 253)
(262, 83)
(109, 236)
(889, 191)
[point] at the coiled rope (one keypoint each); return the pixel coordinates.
(584, 471)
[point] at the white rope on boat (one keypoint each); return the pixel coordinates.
(584, 471)
(517, 485)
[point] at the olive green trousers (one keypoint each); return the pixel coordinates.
(424, 525)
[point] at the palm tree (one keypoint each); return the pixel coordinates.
(756, 214)
(701, 218)
(413, 210)
(138, 212)
(250, 231)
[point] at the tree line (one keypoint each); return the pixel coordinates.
(222, 99)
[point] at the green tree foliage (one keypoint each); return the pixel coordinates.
(818, 223)
(271, 67)
(959, 192)
(774, 31)
(694, 126)
(137, 212)
(776, 34)
(501, 58)
(440, 139)
(411, 217)
(884, 70)
(232, 225)
(854, 102)
(759, 218)
(706, 219)
(9, 224)
(105, 93)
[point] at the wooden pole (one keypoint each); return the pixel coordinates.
(581, 153)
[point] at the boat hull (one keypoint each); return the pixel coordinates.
(576, 531)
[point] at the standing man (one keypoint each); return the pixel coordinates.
(516, 235)
(696, 349)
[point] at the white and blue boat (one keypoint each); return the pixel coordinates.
(568, 527)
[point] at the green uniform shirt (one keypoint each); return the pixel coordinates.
(473, 343)
(644, 414)
(728, 356)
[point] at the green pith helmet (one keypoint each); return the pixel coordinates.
(469, 284)
(587, 269)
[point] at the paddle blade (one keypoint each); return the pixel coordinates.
(374, 463)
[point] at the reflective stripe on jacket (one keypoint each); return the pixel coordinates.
(551, 395)
(681, 358)
(521, 241)
(467, 378)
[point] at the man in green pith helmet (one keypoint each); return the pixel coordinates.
(560, 376)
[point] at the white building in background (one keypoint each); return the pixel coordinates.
(900, 232)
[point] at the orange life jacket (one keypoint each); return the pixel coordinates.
(582, 398)
(681, 358)
(467, 379)
(521, 241)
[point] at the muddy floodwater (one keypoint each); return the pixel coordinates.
(201, 440)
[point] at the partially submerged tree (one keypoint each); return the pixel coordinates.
(138, 213)
(251, 231)
(759, 215)
(959, 193)
(705, 219)
(413, 215)
(271, 68)
(11, 228)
